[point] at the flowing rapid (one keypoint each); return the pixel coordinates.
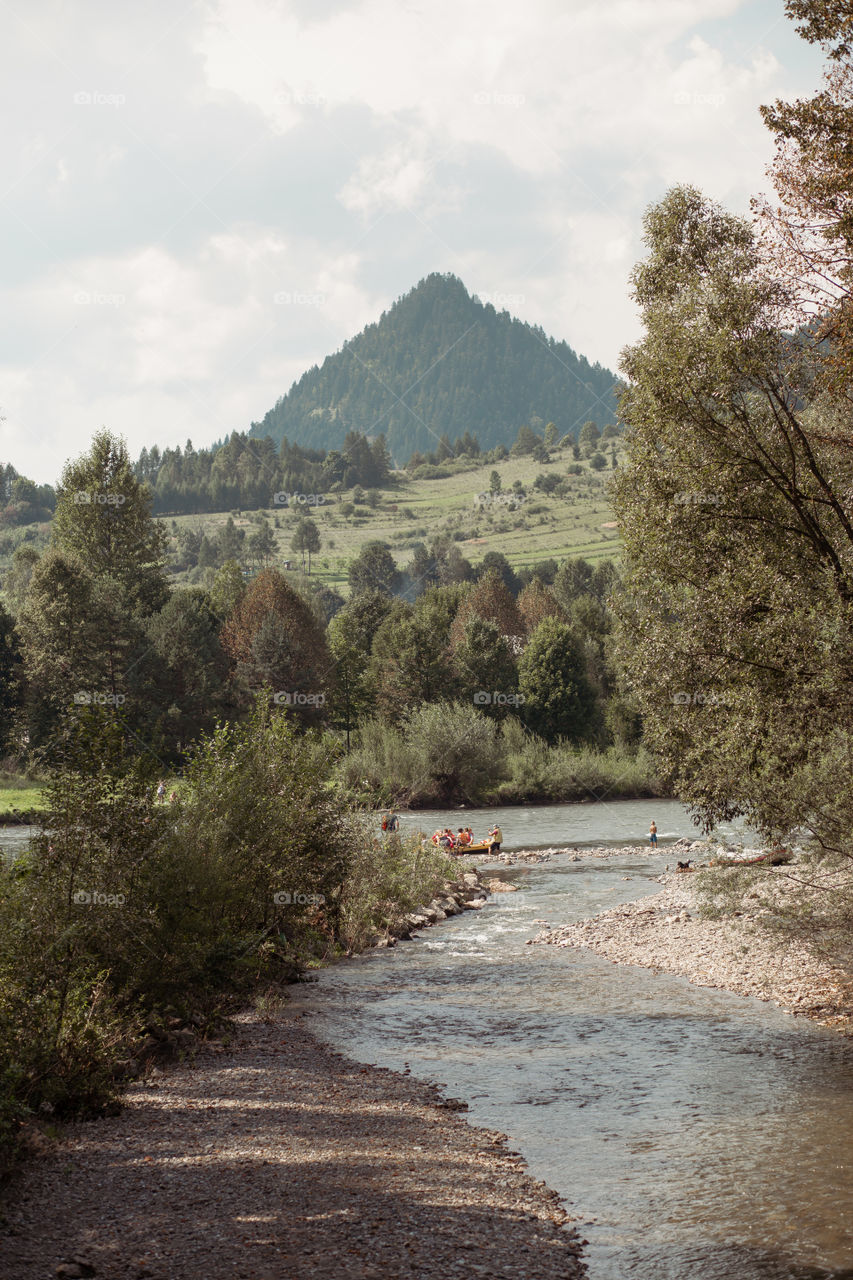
(695, 1134)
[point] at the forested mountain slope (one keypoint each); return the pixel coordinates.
(441, 362)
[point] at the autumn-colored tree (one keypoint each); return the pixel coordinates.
(809, 234)
(492, 601)
(536, 603)
(273, 637)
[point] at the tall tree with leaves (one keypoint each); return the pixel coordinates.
(737, 624)
(103, 515)
(11, 681)
(491, 600)
(558, 700)
(191, 679)
(809, 233)
(374, 569)
(306, 538)
(81, 644)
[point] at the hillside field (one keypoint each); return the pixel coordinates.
(544, 526)
(581, 523)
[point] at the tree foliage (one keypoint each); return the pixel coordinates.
(491, 600)
(273, 638)
(558, 699)
(737, 626)
(103, 516)
(374, 569)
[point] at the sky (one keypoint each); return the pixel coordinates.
(198, 201)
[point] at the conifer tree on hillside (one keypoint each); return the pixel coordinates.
(103, 516)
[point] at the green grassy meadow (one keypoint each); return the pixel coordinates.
(19, 793)
(415, 510)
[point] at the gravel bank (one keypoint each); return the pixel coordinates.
(663, 932)
(279, 1159)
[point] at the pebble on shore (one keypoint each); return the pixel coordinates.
(664, 932)
(278, 1157)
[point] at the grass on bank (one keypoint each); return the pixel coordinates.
(19, 794)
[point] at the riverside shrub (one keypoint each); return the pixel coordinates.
(125, 909)
(388, 878)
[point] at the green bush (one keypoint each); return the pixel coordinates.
(442, 752)
(126, 911)
(388, 878)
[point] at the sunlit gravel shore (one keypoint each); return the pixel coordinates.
(664, 932)
(278, 1159)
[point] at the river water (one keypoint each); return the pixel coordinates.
(603, 822)
(14, 840)
(694, 1134)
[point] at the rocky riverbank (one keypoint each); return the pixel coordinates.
(277, 1157)
(466, 893)
(735, 953)
(532, 856)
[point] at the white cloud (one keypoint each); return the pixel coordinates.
(333, 154)
(159, 348)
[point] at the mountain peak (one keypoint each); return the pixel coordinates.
(440, 361)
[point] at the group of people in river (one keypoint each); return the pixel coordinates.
(458, 842)
(464, 837)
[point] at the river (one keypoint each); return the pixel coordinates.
(603, 822)
(695, 1134)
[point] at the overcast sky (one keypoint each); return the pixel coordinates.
(199, 201)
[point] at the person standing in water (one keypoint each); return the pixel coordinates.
(653, 834)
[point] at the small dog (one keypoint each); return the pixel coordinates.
(684, 866)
